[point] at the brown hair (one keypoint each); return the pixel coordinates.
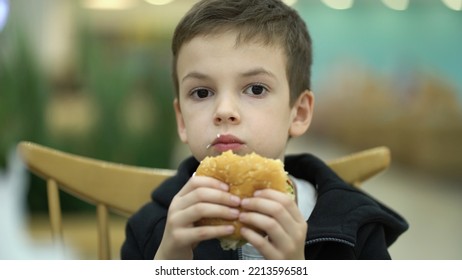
(270, 22)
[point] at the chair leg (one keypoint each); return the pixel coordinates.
(104, 251)
(54, 209)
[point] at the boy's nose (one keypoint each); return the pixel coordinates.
(227, 111)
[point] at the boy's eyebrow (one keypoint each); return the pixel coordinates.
(250, 73)
(195, 75)
(258, 71)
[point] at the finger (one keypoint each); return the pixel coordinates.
(279, 243)
(202, 181)
(261, 243)
(178, 231)
(275, 204)
(263, 223)
(284, 199)
(207, 195)
(197, 234)
(278, 213)
(188, 237)
(205, 210)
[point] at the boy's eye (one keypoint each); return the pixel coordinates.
(201, 93)
(256, 90)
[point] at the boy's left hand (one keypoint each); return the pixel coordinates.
(277, 215)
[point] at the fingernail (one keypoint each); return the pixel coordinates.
(224, 186)
(234, 212)
(235, 199)
(229, 229)
(257, 193)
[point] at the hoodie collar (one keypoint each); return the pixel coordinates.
(341, 209)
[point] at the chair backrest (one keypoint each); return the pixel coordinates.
(124, 188)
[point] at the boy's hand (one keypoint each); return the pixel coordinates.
(201, 197)
(277, 215)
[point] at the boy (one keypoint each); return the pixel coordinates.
(242, 77)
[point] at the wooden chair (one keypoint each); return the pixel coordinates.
(124, 189)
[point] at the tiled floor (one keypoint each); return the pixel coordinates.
(433, 208)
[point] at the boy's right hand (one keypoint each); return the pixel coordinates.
(201, 197)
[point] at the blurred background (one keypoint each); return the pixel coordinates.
(92, 77)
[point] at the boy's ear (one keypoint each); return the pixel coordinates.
(302, 113)
(180, 125)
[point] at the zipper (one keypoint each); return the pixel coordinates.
(329, 239)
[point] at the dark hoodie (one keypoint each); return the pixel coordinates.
(345, 223)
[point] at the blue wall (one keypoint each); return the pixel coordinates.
(425, 37)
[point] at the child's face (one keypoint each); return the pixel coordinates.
(236, 98)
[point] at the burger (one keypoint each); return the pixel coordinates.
(244, 175)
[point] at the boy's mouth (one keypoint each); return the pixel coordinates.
(226, 142)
